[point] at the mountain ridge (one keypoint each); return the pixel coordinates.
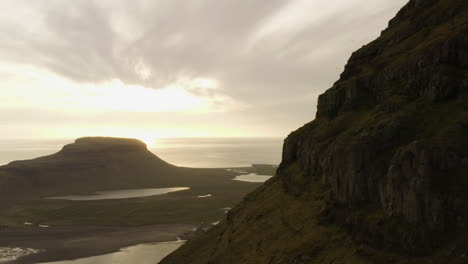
(380, 175)
(93, 164)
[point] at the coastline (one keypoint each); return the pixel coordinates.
(73, 242)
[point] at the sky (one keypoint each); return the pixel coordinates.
(174, 68)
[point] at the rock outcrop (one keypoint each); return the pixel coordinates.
(380, 176)
(398, 119)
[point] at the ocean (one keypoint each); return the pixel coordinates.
(188, 152)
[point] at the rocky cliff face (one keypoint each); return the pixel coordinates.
(383, 169)
(398, 120)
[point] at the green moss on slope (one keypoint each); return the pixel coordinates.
(380, 176)
(271, 226)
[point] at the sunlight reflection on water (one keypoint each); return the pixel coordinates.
(252, 177)
(141, 254)
(120, 194)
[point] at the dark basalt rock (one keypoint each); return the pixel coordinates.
(421, 184)
(389, 159)
(435, 54)
(386, 159)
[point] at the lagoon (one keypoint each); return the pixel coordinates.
(120, 194)
(252, 177)
(141, 254)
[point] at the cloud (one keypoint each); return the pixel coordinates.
(261, 54)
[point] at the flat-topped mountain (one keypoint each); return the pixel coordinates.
(90, 151)
(98, 163)
(93, 197)
(381, 174)
(104, 144)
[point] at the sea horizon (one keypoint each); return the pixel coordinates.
(197, 152)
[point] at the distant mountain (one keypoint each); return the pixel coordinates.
(381, 174)
(95, 164)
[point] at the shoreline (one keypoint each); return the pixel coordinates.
(61, 243)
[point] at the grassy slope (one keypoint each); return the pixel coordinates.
(271, 226)
(178, 207)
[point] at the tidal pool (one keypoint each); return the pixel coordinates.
(121, 194)
(252, 177)
(141, 254)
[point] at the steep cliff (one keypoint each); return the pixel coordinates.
(380, 175)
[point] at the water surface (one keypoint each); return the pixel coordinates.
(121, 194)
(188, 152)
(252, 177)
(140, 254)
(8, 254)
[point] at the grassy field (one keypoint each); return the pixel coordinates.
(97, 164)
(184, 207)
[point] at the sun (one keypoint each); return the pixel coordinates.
(149, 140)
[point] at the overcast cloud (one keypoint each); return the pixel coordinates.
(272, 57)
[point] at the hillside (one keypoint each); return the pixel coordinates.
(94, 164)
(380, 175)
(91, 165)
